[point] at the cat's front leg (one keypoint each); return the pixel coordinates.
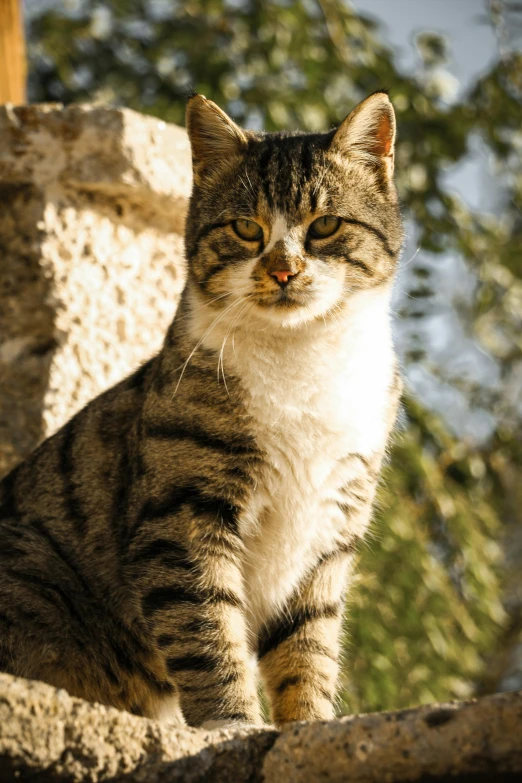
(299, 649)
(192, 602)
(210, 662)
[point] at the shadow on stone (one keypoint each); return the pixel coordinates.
(26, 324)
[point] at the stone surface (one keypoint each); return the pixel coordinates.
(481, 738)
(46, 735)
(93, 202)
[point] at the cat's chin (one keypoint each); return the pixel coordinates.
(290, 316)
(281, 318)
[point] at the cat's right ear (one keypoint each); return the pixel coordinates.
(214, 138)
(369, 131)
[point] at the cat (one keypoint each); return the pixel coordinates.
(193, 528)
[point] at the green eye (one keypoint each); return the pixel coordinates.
(324, 227)
(247, 229)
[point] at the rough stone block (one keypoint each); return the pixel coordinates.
(92, 209)
(48, 736)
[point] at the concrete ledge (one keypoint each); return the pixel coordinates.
(473, 741)
(46, 735)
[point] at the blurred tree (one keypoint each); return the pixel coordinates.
(426, 619)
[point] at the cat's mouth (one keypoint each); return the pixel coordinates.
(283, 298)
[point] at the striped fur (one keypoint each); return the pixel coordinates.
(196, 524)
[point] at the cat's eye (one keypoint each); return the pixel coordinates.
(324, 227)
(247, 229)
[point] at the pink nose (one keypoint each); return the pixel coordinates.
(282, 276)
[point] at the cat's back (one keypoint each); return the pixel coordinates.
(62, 524)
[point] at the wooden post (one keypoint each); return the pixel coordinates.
(13, 67)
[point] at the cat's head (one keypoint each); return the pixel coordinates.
(292, 223)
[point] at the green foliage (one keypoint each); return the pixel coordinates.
(426, 616)
(427, 606)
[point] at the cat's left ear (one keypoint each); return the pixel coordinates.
(215, 139)
(369, 130)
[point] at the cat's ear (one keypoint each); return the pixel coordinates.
(369, 130)
(214, 137)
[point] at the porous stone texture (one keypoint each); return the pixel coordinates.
(46, 735)
(472, 741)
(93, 203)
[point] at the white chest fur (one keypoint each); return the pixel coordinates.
(314, 397)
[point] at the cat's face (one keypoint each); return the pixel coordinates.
(291, 225)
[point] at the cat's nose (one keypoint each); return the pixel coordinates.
(282, 276)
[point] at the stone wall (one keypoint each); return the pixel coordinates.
(48, 736)
(92, 208)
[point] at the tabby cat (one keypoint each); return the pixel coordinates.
(193, 527)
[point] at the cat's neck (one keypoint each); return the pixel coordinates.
(335, 372)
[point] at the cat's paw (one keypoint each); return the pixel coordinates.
(217, 725)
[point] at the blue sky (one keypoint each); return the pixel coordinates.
(464, 22)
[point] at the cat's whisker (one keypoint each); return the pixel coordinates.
(338, 312)
(232, 327)
(216, 219)
(403, 266)
(249, 182)
(202, 306)
(193, 310)
(320, 180)
(243, 182)
(334, 313)
(415, 298)
(220, 361)
(218, 318)
(249, 191)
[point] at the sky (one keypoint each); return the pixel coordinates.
(473, 42)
